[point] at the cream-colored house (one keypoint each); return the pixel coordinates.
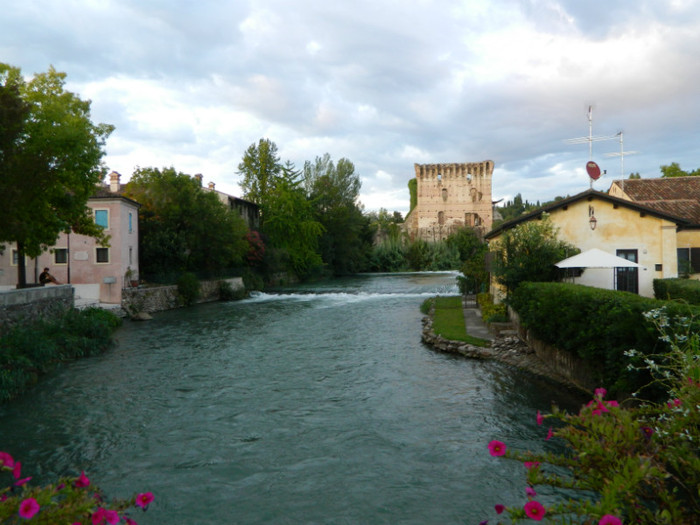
(97, 273)
(639, 233)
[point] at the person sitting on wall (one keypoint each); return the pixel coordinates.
(46, 277)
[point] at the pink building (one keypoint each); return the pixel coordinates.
(97, 273)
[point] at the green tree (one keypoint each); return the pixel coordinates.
(51, 161)
(260, 168)
(674, 170)
(634, 176)
(334, 190)
(184, 227)
(472, 251)
(528, 252)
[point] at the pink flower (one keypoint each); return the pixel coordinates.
(99, 516)
(648, 432)
(531, 464)
(530, 492)
(82, 481)
(17, 470)
(497, 448)
(6, 460)
(549, 434)
(129, 521)
(142, 500)
(535, 510)
(112, 517)
(499, 508)
(540, 418)
(28, 508)
(600, 392)
(609, 519)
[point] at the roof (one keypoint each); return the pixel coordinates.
(679, 196)
(588, 194)
(103, 192)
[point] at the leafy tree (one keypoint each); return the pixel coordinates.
(634, 176)
(528, 252)
(674, 170)
(260, 168)
(334, 190)
(51, 161)
(472, 252)
(184, 227)
(413, 192)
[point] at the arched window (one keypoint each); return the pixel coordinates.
(444, 194)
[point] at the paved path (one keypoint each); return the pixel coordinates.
(473, 321)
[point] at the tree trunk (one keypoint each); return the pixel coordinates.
(21, 267)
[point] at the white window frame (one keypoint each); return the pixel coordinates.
(109, 255)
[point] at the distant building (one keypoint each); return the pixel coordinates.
(450, 197)
(98, 273)
(249, 211)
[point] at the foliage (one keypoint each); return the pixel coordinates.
(491, 312)
(29, 350)
(388, 256)
(680, 289)
(628, 465)
(256, 248)
(595, 324)
(227, 292)
(334, 191)
(51, 161)
(528, 252)
(472, 253)
(260, 168)
(448, 321)
(674, 170)
(188, 288)
(427, 305)
(182, 226)
(413, 192)
(70, 500)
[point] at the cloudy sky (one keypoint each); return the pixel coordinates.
(384, 83)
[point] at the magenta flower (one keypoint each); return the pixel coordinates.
(112, 517)
(549, 434)
(28, 508)
(99, 516)
(609, 519)
(6, 460)
(143, 500)
(82, 481)
(600, 392)
(540, 418)
(535, 510)
(612, 403)
(497, 448)
(530, 492)
(531, 464)
(648, 432)
(499, 508)
(129, 521)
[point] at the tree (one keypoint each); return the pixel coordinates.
(183, 227)
(634, 176)
(51, 161)
(260, 168)
(528, 252)
(334, 190)
(674, 170)
(472, 252)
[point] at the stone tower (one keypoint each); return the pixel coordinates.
(449, 197)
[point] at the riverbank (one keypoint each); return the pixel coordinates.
(505, 347)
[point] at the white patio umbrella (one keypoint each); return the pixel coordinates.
(595, 258)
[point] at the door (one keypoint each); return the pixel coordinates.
(627, 279)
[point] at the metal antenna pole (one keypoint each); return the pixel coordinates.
(621, 154)
(590, 138)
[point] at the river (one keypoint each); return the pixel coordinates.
(311, 404)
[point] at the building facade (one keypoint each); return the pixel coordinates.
(450, 197)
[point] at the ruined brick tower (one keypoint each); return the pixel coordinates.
(449, 197)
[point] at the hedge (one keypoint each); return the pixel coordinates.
(684, 289)
(598, 326)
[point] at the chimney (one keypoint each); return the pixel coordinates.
(114, 185)
(211, 186)
(198, 176)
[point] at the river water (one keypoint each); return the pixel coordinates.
(313, 404)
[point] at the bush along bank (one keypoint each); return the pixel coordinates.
(30, 350)
(598, 326)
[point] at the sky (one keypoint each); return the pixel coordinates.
(383, 83)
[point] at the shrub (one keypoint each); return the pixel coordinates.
(227, 293)
(188, 288)
(683, 289)
(490, 312)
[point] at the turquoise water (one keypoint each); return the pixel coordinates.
(313, 404)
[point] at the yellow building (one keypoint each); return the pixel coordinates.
(640, 233)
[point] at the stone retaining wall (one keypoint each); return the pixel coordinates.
(30, 304)
(157, 299)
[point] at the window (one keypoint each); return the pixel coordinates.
(15, 257)
(101, 255)
(60, 256)
(131, 253)
(441, 217)
(444, 194)
(102, 218)
(131, 228)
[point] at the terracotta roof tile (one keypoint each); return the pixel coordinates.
(678, 196)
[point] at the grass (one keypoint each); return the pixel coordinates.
(448, 321)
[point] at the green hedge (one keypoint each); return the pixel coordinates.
(27, 351)
(491, 312)
(597, 325)
(684, 289)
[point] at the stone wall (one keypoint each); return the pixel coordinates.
(30, 304)
(149, 300)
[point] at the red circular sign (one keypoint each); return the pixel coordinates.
(593, 170)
